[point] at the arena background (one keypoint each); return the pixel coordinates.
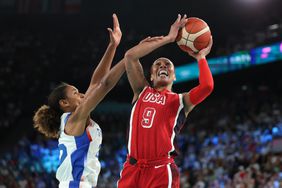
(231, 139)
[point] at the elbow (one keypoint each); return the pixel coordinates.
(130, 56)
(209, 87)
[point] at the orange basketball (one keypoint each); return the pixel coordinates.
(194, 36)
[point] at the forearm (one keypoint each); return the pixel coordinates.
(145, 48)
(135, 75)
(104, 65)
(96, 94)
(111, 79)
(206, 84)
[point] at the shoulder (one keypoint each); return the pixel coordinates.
(171, 94)
(138, 95)
(93, 123)
(64, 117)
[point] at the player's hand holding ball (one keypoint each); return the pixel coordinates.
(203, 52)
(194, 36)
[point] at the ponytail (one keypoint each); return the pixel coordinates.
(47, 118)
(47, 121)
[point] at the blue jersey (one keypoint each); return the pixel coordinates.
(79, 165)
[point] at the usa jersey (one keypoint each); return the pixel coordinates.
(156, 117)
(79, 165)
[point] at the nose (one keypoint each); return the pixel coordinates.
(163, 66)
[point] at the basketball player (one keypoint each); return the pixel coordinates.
(158, 114)
(67, 117)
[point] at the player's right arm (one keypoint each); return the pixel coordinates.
(105, 63)
(133, 67)
(79, 117)
(206, 84)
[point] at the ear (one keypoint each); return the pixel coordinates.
(63, 103)
(174, 77)
(151, 77)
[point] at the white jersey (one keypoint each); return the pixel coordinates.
(79, 165)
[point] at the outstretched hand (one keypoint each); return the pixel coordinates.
(115, 33)
(174, 28)
(202, 53)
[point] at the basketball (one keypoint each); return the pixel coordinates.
(194, 36)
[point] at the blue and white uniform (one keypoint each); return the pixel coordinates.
(79, 165)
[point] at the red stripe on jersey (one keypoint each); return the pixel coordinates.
(88, 134)
(131, 119)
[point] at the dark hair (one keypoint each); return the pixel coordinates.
(47, 118)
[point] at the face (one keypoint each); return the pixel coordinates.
(72, 100)
(162, 72)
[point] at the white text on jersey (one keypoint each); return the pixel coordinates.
(154, 98)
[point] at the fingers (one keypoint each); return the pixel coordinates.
(208, 49)
(156, 38)
(110, 30)
(183, 18)
(191, 53)
(115, 21)
(183, 21)
(144, 40)
(210, 42)
(150, 39)
(178, 19)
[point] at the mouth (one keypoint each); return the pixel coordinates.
(163, 73)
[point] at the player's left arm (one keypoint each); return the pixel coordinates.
(77, 122)
(105, 63)
(206, 84)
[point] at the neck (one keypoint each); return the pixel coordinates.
(88, 120)
(161, 88)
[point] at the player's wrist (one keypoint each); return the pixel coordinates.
(201, 58)
(169, 38)
(113, 44)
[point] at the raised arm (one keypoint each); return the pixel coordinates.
(205, 87)
(133, 67)
(135, 71)
(104, 65)
(78, 120)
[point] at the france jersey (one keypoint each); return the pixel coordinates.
(79, 165)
